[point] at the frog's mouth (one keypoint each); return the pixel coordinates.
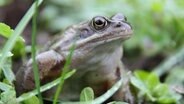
(117, 35)
(99, 38)
(107, 37)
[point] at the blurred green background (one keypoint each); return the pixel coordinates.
(158, 28)
(158, 24)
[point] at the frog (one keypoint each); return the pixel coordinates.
(96, 58)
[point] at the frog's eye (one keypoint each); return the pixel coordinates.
(99, 23)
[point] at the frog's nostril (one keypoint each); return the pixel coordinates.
(119, 24)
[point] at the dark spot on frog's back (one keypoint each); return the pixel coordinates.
(118, 73)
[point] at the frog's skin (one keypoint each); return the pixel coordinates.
(97, 58)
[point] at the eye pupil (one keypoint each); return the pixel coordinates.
(99, 23)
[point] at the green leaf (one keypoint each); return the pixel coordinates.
(149, 80)
(19, 49)
(152, 81)
(160, 90)
(106, 95)
(87, 94)
(142, 87)
(8, 72)
(5, 87)
(165, 95)
(32, 100)
(16, 34)
(166, 100)
(142, 75)
(139, 84)
(152, 88)
(8, 97)
(6, 32)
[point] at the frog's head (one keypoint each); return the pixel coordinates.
(97, 32)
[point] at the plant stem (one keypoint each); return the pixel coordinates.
(43, 88)
(18, 30)
(33, 51)
(64, 72)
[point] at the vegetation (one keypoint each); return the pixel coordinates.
(157, 47)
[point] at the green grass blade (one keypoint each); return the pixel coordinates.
(35, 92)
(44, 87)
(109, 93)
(106, 95)
(18, 30)
(64, 72)
(33, 51)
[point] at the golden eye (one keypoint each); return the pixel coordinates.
(99, 23)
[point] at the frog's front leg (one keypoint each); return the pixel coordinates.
(49, 64)
(124, 93)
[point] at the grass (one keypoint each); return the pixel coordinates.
(17, 32)
(65, 70)
(44, 87)
(66, 74)
(33, 51)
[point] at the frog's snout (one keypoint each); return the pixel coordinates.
(123, 25)
(127, 26)
(118, 24)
